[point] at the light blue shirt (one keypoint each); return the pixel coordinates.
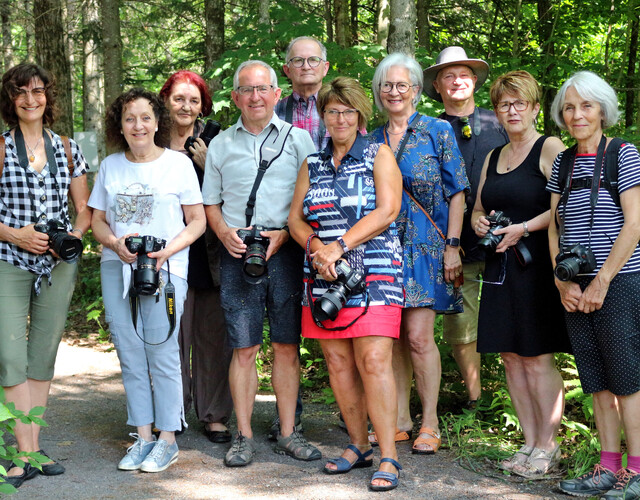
(232, 166)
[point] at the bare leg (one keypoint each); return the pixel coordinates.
(403, 375)
(285, 378)
(373, 359)
(608, 420)
(468, 359)
(520, 396)
(349, 392)
(243, 380)
(630, 409)
(418, 328)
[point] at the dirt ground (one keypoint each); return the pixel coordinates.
(88, 435)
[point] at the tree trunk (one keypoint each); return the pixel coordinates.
(493, 29)
(515, 50)
(214, 38)
(92, 82)
(383, 22)
(263, 11)
(402, 26)
(28, 28)
(7, 48)
(631, 72)
(545, 34)
(341, 16)
(51, 53)
(424, 32)
(328, 20)
(354, 22)
(112, 48)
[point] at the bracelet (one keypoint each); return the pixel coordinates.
(526, 229)
(79, 230)
(308, 250)
(344, 246)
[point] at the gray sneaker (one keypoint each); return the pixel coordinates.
(274, 431)
(161, 457)
(298, 447)
(241, 453)
(594, 483)
(136, 453)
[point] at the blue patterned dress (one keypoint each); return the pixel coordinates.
(432, 171)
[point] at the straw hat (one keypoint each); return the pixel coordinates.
(452, 56)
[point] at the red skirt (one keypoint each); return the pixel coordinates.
(381, 321)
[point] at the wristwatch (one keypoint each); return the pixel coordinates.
(452, 242)
(344, 246)
(526, 229)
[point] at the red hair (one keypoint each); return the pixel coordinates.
(187, 76)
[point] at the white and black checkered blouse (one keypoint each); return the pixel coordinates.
(27, 197)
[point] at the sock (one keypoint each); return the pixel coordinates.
(611, 460)
(633, 463)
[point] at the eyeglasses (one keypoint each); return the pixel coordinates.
(401, 87)
(519, 105)
(248, 89)
(20, 93)
(333, 114)
(313, 61)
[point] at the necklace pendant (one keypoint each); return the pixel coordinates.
(32, 158)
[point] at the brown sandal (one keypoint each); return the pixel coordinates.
(433, 441)
(401, 436)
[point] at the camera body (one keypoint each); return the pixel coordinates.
(349, 282)
(145, 277)
(255, 261)
(68, 247)
(577, 260)
(211, 129)
(490, 240)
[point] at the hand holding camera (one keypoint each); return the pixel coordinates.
(146, 276)
(497, 220)
(61, 243)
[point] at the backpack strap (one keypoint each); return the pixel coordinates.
(610, 180)
(2, 154)
(67, 150)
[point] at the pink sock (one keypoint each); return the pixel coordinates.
(633, 463)
(612, 460)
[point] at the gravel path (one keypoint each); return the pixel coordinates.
(87, 413)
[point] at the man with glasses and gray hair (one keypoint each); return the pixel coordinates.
(306, 65)
(250, 175)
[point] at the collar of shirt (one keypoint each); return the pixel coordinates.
(356, 152)
(275, 121)
(298, 98)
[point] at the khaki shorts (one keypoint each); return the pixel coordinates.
(463, 328)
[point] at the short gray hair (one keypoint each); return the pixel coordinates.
(593, 88)
(323, 49)
(255, 62)
(404, 61)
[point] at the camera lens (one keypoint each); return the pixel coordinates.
(567, 269)
(255, 264)
(328, 306)
(490, 241)
(145, 277)
(66, 246)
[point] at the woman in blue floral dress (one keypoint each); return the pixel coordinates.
(434, 182)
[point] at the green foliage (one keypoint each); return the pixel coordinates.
(9, 416)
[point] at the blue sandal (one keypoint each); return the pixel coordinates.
(387, 476)
(343, 465)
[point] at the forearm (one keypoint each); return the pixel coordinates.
(539, 222)
(215, 219)
(83, 220)
(621, 251)
(192, 231)
(102, 232)
(7, 234)
(456, 214)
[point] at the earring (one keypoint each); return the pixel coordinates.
(156, 129)
(121, 132)
(200, 115)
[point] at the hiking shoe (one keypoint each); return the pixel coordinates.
(274, 431)
(298, 447)
(598, 481)
(241, 453)
(627, 487)
(136, 453)
(161, 457)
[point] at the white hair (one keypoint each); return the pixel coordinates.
(255, 62)
(593, 88)
(404, 61)
(323, 49)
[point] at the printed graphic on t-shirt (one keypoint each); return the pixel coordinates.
(135, 204)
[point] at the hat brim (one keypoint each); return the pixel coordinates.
(479, 67)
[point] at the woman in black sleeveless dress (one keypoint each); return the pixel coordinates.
(520, 310)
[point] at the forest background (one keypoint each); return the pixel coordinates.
(98, 48)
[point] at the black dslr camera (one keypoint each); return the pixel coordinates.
(255, 262)
(490, 240)
(66, 246)
(211, 129)
(145, 277)
(578, 260)
(349, 282)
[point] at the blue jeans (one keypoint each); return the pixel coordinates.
(143, 363)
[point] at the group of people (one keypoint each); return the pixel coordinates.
(358, 240)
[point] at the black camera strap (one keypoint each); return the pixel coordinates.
(170, 303)
(593, 198)
(269, 151)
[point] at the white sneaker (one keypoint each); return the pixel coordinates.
(136, 453)
(161, 457)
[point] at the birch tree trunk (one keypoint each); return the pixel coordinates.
(402, 26)
(92, 81)
(383, 22)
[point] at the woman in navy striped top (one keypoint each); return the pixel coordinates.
(602, 300)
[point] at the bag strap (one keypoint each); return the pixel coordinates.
(268, 154)
(67, 151)
(2, 154)
(426, 213)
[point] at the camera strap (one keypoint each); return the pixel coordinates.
(170, 304)
(334, 328)
(269, 151)
(595, 188)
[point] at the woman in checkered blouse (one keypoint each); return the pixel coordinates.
(37, 177)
